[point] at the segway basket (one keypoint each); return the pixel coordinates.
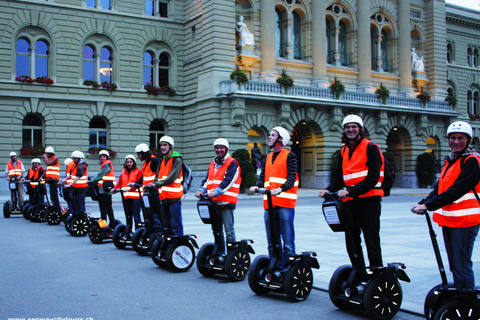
(336, 213)
(12, 184)
(206, 210)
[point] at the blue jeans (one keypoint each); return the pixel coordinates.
(226, 215)
(172, 215)
(78, 201)
(459, 245)
(287, 234)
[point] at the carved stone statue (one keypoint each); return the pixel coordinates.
(245, 36)
(417, 62)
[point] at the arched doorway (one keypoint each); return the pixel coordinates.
(399, 143)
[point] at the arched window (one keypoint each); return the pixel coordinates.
(382, 30)
(32, 61)
(163, 69)
(88, 63)
(97, 133)
(475, 58)
(338, 47)
(328, 40)
(297, 35)
(98, 60)
(105, 65)
(469, 57)
(279, 34)
(157, 130)
(384, 51)
(32, 130)
(147, 68)
(342, 43)
(470, 104)
(449, 52)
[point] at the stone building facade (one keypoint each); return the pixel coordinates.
(193, 46)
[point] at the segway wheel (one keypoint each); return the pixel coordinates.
(30, 211)
(39, 213)
(256, 273)
(139, 243)
(95, 233)
(454, 309)
(203, 257)
(53, 216)
(180, 256)
(298, 281)
(25, 208)
(382, 297)
(79, 226)
(68, 222)
(6, 209)
(237, 263)
(119, 236)
(337, 285)
(431, 301)
(158, 251)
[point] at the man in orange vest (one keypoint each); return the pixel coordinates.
(168, 180)
(279, 175)
(52, 176)
(15, 169)
(34, 176)
(106, 183)
(79, 174)
(222, 185)
(455, 202)
(359, 173)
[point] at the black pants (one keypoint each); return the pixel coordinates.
(52, 184)
(105, 204)
(366, 219)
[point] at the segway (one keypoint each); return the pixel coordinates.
(236, 263)
(54, 214)
(264, 277)
(65, 193)
(380, 296)
(98, 229)
(12, 206)
(174, 252)
(143, 238)
(444, 301)
(77, 223)
(37, 213)
(122, 235)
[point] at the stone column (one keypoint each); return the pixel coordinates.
(319, 45)
(267, 43)
(404, 44)
(364, 51)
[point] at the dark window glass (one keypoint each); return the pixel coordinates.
(163, 9)
(163, 69)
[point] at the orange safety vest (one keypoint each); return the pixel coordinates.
(123, 181)
(33, 175)
(53, 171)
(215, 178)
(14, 170)
(83, 181)
(148, 175)
(275, 177)
(109, 176)
(70, 166)
(175, 189)
(355, 169)
(463, 212)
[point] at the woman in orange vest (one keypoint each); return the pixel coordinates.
(130, 174)
(456, 204)
(79, 173)
(280, 176)
(222, 185)
(52, 176)
(106, 183)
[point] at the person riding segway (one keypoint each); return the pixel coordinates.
(14, 172)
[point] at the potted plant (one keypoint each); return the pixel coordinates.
(91, 83)
(95, 150)
(166, 89)
(337, 88)
(32, 151)
(285, 81)
(110, 86)
(44, 80)
(243, 158)
(452, 100)
(424, 97)
(425, 169)
(239, 76)
(383, 93)
(26, 79)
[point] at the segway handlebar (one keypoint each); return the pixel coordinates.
(263, 191)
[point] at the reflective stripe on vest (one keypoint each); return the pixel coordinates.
(463, 212)
(123, 181)
(148, 175)
(215, 178)
(53, 171)
(110, 176)
(275, 177)
(14, 171)
(70, 167)
(83, 181)
(355, 168)
(175, 189)
(33, 175)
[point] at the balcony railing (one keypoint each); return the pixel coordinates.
(273, 89)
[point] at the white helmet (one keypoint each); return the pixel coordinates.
(78, 154)
(283, 133)
(352, 118)
(105, 153)
(37, 160)
(129, 156)
(67, 161)
(460, 126)
(49, 150)
(221, 142)
(142, 147)
(167, 139)
(13, 153)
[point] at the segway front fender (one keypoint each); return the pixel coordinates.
(311, 258)
(191, 238)
(402, 275)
